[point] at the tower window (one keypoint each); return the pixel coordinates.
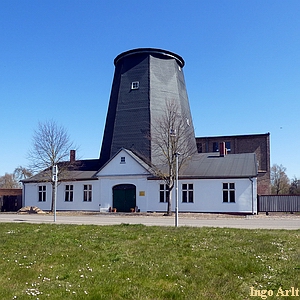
(135, 85)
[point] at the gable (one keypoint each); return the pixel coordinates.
(123, 163)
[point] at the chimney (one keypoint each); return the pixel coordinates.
(72, 155)
(222, 149)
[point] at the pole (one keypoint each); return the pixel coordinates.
(55, 193)
(176, 207)
(55, 178)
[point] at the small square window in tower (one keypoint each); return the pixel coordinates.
(135, 85)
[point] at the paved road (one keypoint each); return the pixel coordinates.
(250, 222)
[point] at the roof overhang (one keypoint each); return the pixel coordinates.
(150, 51)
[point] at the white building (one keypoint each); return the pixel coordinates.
(208, 183)
(148, 88)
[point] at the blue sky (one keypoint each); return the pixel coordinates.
(242, 67)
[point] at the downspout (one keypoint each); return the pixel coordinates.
(23, 194)
(250, 178)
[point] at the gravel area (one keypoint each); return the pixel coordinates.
(188, 215)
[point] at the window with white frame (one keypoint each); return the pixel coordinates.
(228, 192)
(123, 161)
(42, 193)
(188, 193)
(135, 85)
(164, 193)
(69, 193)
(87, 192)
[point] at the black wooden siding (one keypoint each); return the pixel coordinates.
(131, 111)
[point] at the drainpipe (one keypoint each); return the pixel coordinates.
(252, 195)
(23, 194)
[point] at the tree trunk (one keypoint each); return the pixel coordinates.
(169, 207)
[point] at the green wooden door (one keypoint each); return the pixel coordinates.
(124, 197)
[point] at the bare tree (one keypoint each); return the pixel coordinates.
(51, 146)
(22, 173)
(295, 186)
(8, 181)
(279, 180)
(170, 136)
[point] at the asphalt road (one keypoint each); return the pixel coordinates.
(290, 222)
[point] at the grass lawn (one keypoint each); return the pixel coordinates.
(50, 261)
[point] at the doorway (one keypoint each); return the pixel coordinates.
(124, 197)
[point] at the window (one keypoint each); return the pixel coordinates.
(172, 132)
(227, 146)
(215, 147)
(42, 193)
(87, 192)
(229, 192)
(164, 193)
(188, 193)
(69, 193)
(122, 160)
(135, 85)
(199, 147)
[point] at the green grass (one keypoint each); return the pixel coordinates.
(138, 262)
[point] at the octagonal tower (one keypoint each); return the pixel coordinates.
(144, 80)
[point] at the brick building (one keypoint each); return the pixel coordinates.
(236, 144)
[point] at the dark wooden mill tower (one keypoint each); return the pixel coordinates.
(144, 80)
